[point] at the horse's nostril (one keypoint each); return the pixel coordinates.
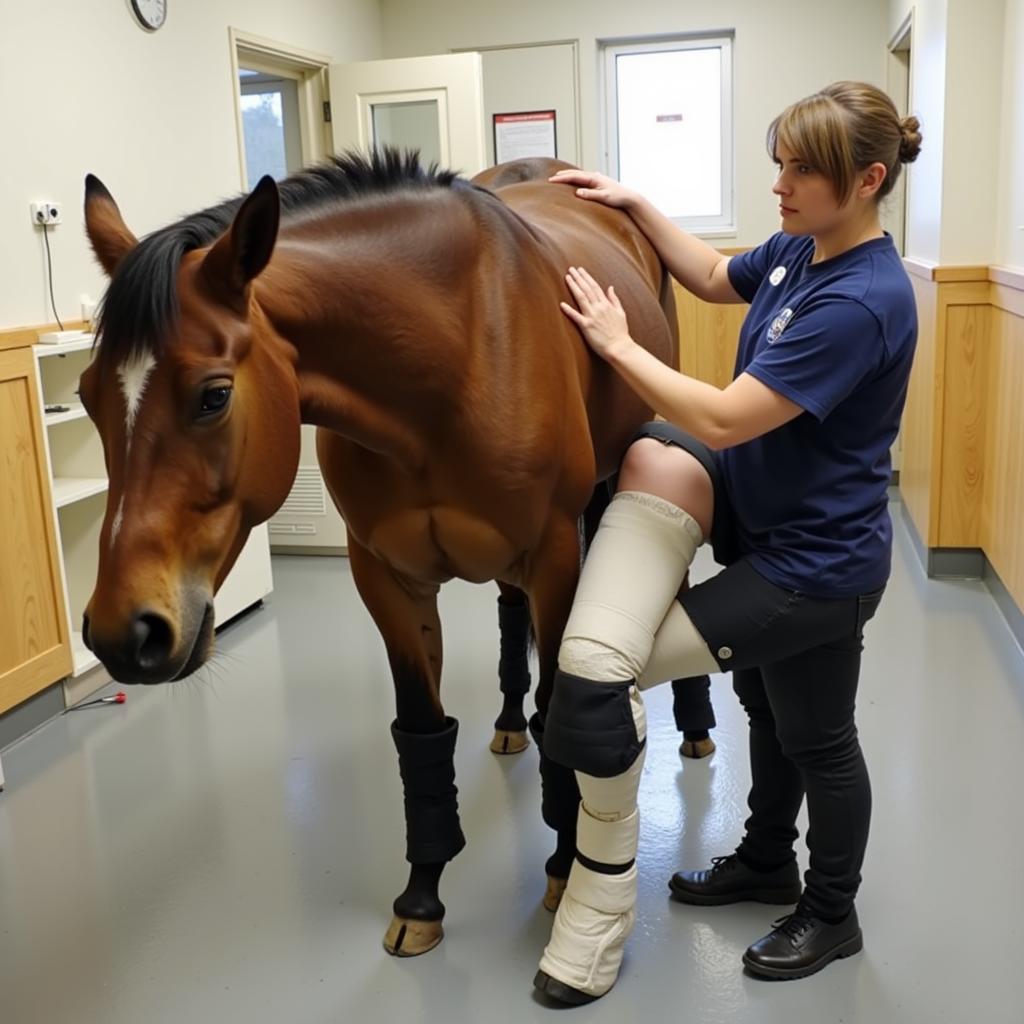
(153, 640)
(85, 632)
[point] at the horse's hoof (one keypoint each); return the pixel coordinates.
(406, 937)
(553, 895)
(506, 742)
(697, 748)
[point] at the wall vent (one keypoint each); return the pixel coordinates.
(308, 496)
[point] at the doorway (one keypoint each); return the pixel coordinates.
(280, 93)
(898, 78)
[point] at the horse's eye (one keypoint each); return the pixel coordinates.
(214, 399)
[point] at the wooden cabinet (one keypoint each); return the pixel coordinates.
(35, 648)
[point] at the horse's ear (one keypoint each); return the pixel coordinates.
(245, 249)
(109, 235)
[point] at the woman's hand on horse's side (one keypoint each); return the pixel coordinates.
(600, 317)
(598, 187)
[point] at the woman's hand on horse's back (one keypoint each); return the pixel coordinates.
(598, 187)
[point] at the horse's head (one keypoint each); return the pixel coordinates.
(196, 401)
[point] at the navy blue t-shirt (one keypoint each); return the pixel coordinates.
(837, 338)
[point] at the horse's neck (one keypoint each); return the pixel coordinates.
(374, 313)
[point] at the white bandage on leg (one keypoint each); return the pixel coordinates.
(679, 651)
(597, 910)
(630, 577)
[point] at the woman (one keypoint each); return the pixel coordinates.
(785, 472)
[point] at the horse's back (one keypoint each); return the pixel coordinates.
(569, 231)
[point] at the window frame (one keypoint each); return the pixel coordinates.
(723, 225)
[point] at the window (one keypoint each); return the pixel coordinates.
(270, 123)
(669, 127)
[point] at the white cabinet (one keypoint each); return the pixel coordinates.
(79, 485)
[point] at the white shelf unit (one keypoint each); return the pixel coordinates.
(79, 485)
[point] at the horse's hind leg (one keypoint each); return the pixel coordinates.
(406, 614)
(513, 670)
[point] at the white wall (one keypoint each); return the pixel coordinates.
(966, 201)
(971, 145)
(85, 90)
(783, 50)
(1010, 232)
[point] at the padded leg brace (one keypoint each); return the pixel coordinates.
(426, 763)
(590, 726)
(597, 912)
(513, 666)
(679, 651)
(630, 579)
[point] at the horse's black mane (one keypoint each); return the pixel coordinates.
(141, 304)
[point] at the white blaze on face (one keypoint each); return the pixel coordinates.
(133, 374)
(115, 528)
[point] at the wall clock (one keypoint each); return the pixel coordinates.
(150, 14)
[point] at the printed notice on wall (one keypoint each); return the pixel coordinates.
(528, 133)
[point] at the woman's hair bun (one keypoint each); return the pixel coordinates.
(910, 140)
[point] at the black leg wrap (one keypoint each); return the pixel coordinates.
(426, 762)
(513, 667)
(691, 704)
(589, 726)
(559, 794)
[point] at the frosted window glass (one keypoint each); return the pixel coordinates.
(412, 124)
(263, 127)
(670, 128)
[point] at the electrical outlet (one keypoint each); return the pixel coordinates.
(45, 213)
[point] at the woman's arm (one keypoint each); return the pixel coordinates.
(693, 263)
(744, 410)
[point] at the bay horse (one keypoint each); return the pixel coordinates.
(413, 317)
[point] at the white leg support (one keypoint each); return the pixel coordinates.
(630, 578)
(679, 652)
(597, 910)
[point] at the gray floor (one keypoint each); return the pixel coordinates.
(227, 849)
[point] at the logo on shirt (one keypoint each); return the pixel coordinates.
(776, 276)
(778, 325)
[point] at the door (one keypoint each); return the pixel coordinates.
(433, 104)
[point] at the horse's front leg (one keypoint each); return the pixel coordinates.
(406, 614)
(513, 670)
(553, 574)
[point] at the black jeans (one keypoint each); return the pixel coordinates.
(795, 661)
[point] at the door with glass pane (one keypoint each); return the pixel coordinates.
(433, 104)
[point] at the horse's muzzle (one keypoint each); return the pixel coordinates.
(146, 652)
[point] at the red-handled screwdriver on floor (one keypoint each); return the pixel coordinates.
(118, 698)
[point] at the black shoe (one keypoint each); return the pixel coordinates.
(729, 880)
(801, 944)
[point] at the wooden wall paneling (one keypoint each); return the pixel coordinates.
(708, 337)
(917, 462)
(965, 311)
(1002, 520)
(686, 317)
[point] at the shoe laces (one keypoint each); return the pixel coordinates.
(722, 864)
(794, 925)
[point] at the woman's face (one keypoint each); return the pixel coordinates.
(807, 200)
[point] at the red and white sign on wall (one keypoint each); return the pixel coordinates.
(523, 134)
